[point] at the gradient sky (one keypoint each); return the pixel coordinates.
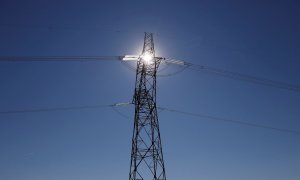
(256, 37)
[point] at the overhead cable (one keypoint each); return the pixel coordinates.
(235, 75)
(198, 115)
(59, 58)
(69, 108)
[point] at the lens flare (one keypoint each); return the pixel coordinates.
(147, 58)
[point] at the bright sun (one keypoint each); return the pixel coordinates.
(147, 58)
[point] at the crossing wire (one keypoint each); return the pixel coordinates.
(59, 58)
(235, 75)
(244, 123)
(185, 64)
(198, 115)
(69, 108)
(245, 77)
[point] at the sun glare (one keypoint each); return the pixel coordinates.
(147, 58)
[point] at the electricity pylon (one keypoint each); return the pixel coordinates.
(146, 153)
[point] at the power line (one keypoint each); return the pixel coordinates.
(183, 68)
(59, 58)
(120, 113)
(235, 75)
(159, 72)
(245, 77)
(230, 120)
(187, 65)
(69, 108)
(128, 66)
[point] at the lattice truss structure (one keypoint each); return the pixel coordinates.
(146, 155)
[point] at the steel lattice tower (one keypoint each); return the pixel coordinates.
(146, 154)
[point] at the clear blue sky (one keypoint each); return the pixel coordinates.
(256, 37)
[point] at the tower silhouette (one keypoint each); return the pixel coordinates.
(146, 154)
